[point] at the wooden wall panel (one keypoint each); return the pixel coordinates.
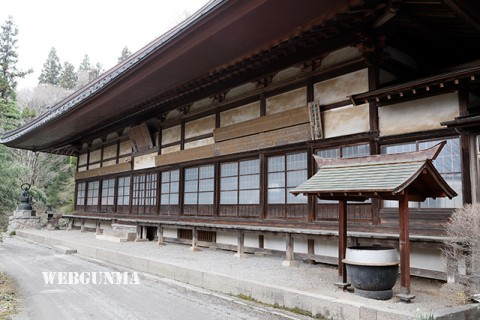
(122, 167)
(185, 155)
(264, 140)
(140, 137)
(262, 124)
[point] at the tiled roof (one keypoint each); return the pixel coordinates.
(383, 176)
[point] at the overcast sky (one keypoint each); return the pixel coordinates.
(99, 28)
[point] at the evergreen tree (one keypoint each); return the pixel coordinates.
(10, 115)
(8, 60)
(52, 69)
(87, 72)
(95, 72)
(8, 176)
(85, 65)
(124, 55)
(69, 78)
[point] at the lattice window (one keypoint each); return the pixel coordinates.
(240, 188)
(144, 198)
(199, 190)
(169, 192)
(108, 195)
(327, 210)
(92, 195)
(81, 188)
(448, 164)
(123, 194)
(285, 172)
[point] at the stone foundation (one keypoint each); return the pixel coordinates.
(24, 219)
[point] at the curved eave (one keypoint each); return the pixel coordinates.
(217, 36)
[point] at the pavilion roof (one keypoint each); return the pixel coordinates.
(378, 176)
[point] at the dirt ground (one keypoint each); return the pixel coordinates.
(9, 297)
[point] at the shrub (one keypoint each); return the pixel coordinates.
(462, 247)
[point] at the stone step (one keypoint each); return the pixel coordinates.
(123, 234)
(64, 250)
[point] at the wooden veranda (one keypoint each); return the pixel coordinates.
(403, 177)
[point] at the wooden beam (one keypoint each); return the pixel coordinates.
(263, 124)
(240, 245)
(194, 246)
(342, 240)
(404, 245)
(160, 239)
(289, 257)
(97, 229)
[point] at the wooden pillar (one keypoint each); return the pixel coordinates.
(139, 233)
(405, 293)
(311, 251)
(289, 259)
(97, 229)
(144, 233)
(82, 226)
(194, 246)
(240, 245)
(342, 243)
(160, 240)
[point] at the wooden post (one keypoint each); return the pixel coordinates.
(139, 233)
(160, 240)
(97, 229)
(289, 259)
(405, 294)
(144, 233)
(194, 246)
(240, 245)
(70, 224)
(342, 244)
(311, 251)
(82, 226)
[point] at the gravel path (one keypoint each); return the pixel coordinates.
(317, 279)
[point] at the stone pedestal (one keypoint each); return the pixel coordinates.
(23, 219)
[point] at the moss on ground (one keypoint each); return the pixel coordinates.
(277, 306)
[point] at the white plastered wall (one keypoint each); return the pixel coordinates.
(340, 56)
(287, 101)
(340, 88)
(274, 242)
(240, 114)
(345, 120)
(170, 233)
(418, 115)
(326, 247)
(227, 238)
(144, 161)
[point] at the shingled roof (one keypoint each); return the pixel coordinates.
(378, 176)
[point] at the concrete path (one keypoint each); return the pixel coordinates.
(148, 298)
(307, 287)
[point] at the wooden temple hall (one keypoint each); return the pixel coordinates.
(201, 136)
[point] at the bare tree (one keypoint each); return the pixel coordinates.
(35, 102)
(462, 248)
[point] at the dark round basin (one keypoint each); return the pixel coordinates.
(372, 271)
